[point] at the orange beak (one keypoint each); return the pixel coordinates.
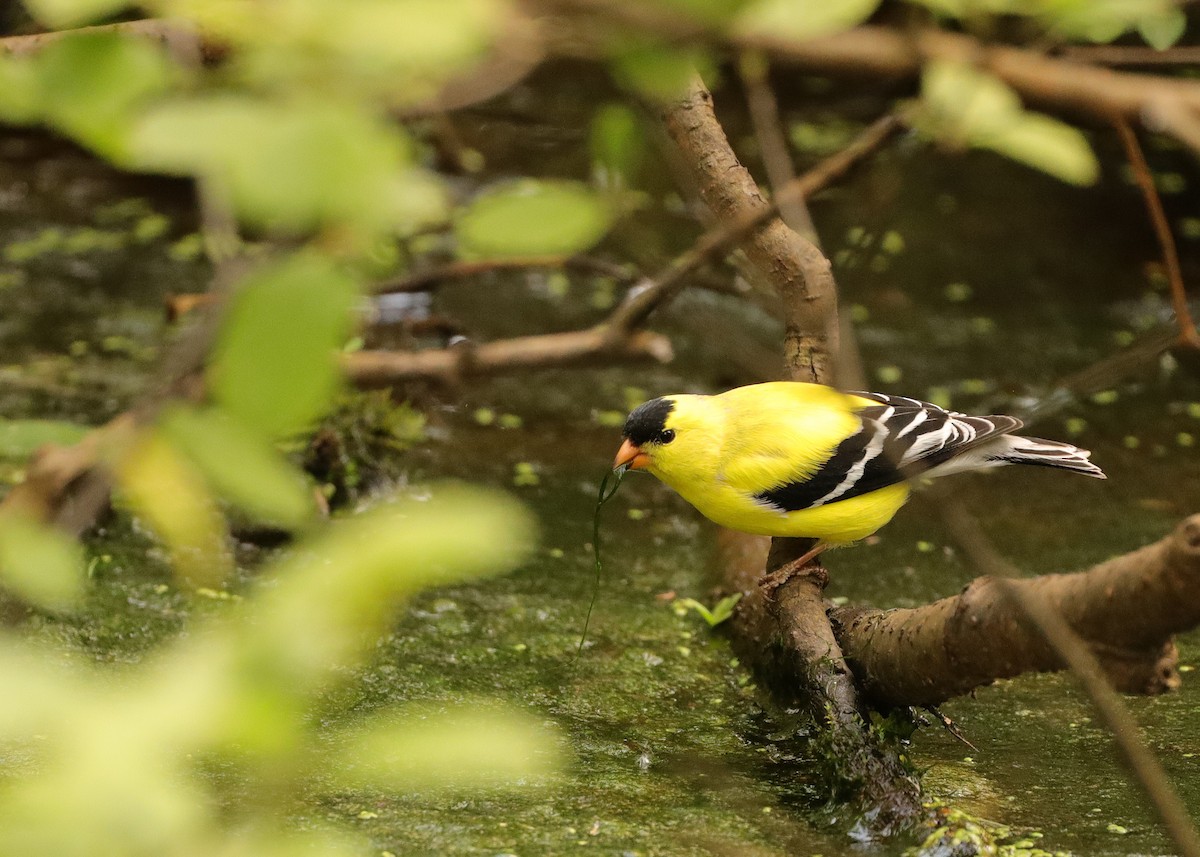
(630, 456)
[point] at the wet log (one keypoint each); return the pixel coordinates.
(1126, 610)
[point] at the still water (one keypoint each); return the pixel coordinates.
(970, 281)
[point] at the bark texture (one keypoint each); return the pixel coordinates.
(1126, 610)
(784, 633)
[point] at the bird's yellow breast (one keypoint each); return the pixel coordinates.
(837, 523)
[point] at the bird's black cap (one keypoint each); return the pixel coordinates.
(648, 420)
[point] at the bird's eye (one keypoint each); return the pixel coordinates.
(666, 435)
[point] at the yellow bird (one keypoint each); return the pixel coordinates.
(793, 459)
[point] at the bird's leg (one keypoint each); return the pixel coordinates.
(778, 575)
(812, 554)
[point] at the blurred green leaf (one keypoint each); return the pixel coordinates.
(291, 166)
(166, 492)
(21, 438)
(1164, 29)
(39, 563)
(242, 466)
(403, 49)
(91, 84)
(804, 20)
(617, 142)
(20, 91)
(1103, 21)
(424, 749)
(964, 105)
(528, 217)
(332, 597)
(1050, 146)
(274, 367)
(40, 684)
(659, 71)
(61, 14)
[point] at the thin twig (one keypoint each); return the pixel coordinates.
(1139, 760)
(772, 144)
(545, 351)
(663, 288)
(1102, 374)
(1162, 229)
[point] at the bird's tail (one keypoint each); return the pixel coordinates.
(1011, 449)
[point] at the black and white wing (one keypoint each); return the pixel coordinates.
(900, 438)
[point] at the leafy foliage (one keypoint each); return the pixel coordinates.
(528, 218)
(124, 756)
(969, 107)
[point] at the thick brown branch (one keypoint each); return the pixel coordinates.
(1127, 609)
(1053, 624)
(797, 269)
(1171, 104)
(1057, 83)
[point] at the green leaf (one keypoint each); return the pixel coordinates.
(964, 103)
(1048, 145)
(720, 612)
(39, 563)
(809, 19)
(242, 466)
(92, 83)
(530, 217)
(1163, 30)
(20, 91)
(21, 438)
(617, 142)
(657, 71)
(402, 50)
(61, 14)
(274, 367)
(1103, 21)
(166, 491)
(332, 597)
(290, 166)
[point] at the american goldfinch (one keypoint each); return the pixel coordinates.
(794, 459)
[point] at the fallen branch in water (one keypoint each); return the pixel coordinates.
(1126, 610)
(465, 360)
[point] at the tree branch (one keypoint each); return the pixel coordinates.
(1188, 335)
(784, 634)
(449, 365)
(1126, 610)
